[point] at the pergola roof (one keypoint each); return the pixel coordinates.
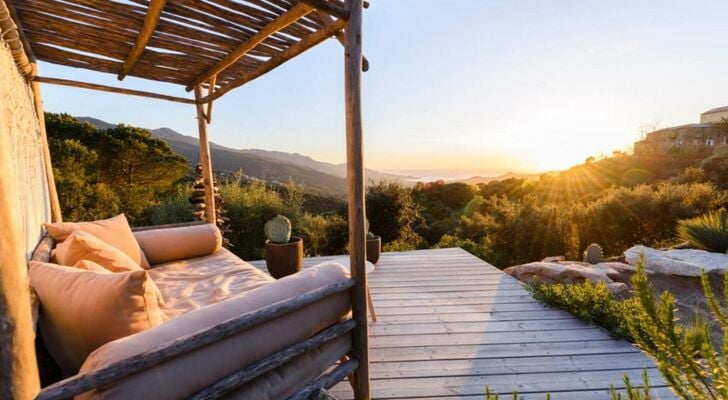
(218, 43)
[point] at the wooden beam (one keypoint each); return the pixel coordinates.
(284, 20)
(275, 61)
(145, 35)
(104, 88)
(341, 37)
(207, 176)
(326, 381)
(355, 199)
(56, 215)
(328, 7)
(78, 384)
(252, 371)
(210, 89)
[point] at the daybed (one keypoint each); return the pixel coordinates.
(203, 287)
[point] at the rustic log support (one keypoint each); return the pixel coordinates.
(205, 160)
(56, 214)
(280, 58)
(341, 37)
(355, 186)
(332, 8)
(210, 90)
(145, 35)
(286, 19)
(104, 88)
(78, 384)
(327, 381)
(247, 374)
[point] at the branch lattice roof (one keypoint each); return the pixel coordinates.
(184, 42)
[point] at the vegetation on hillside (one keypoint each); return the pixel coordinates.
(617, 202)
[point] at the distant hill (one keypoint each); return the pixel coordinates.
(272, 166)
(474, 180)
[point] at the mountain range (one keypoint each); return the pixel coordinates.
(272, 166)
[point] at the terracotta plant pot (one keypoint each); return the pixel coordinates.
(284, 259)
(374, 249)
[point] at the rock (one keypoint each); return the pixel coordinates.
(563, 272)
(554, 259)
(680, 262)
(620, 290)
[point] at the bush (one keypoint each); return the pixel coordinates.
(173, 209)
(692, 365)
(591, 303)
(249, 207)
(477, 249)
(708, 232)
(392, 213)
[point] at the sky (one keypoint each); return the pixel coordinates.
(465, 85)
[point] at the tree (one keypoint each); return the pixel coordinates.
(100, 173)
(391, 212)
(715, 168)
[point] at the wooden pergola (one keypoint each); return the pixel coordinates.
(209, 47)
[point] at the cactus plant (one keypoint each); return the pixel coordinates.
(278, 229)
(593, 254)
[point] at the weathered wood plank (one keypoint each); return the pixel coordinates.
(501, 350)
(527, 315)
(459, 339)
(504, 384)
(473, 327)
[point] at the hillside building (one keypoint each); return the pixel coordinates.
(698, 140)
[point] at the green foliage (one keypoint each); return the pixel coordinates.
(174, 208)
(708, 232)
(100, 173)
(392, 213)
(278, 229)
(715, 168)
(635, 176)
(591, 303)
(249, 207)
(632, 392)
(691, 364)
(399, 245)
(477, 249)
(593, 254)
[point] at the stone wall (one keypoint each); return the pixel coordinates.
(22, 154)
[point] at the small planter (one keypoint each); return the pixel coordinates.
(284, 259)
(374, 249)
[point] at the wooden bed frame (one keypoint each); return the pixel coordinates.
(77, 384)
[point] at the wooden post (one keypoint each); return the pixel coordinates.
(56, 215)
(355, 185)
(205, 159)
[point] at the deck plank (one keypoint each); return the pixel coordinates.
(449, 324)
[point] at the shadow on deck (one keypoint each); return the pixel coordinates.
(449, 324)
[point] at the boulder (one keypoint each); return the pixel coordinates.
(680, 262)
(573, 272)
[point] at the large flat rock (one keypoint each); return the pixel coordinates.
(682, 262)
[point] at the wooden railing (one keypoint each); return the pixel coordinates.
(113, 372)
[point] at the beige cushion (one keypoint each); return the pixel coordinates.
(187, 374)
(93, 267)
(114, 231)
(194, 283)
(81, 245)
(82, 310)
(171, 244)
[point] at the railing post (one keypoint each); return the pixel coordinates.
(205, 160)
(355, 185)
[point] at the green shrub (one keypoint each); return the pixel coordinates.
(708, 231)
(479, 250)
(693, 366)
(592, 303)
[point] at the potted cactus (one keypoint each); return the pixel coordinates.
(374, 246)
(283, 253)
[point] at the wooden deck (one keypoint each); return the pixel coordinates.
(449, 324)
